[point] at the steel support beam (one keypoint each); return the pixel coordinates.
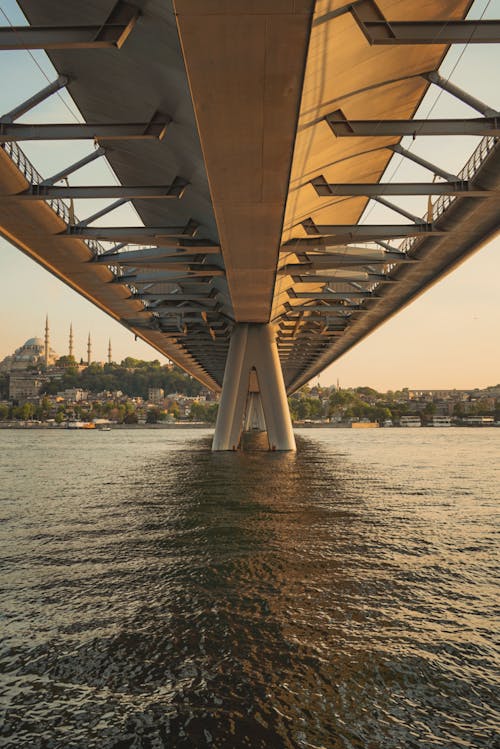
(124, 192)
(423, 162)
(151, 254)
(455, 188)
(112, 33)
(72, 168)
(398, 209)
(383, 231)
(33, 101)
(176, 297)
(348, 310)
(332, 295)
(319, 249)
(199, 269)
(165, 276)
(459, 93)
(103, 212)
(324, 278)
(128, 233)
(176, 310)
(154, 130)
(432, 32)
(342, 128)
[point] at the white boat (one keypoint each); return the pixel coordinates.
(440, 421)
(410, 421)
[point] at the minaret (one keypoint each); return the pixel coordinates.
(109, 352)
(71, 339)
(46, 340)
(89, 351)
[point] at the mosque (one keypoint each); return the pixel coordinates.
(38, 353)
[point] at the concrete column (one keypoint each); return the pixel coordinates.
(253, 347)
(272, 390)
(254, 416)
(230, 396)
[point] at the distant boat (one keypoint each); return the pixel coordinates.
(104, 429)
(440, 421)
(410, 421)
(80, 425)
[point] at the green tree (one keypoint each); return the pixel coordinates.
(153, 416)
(27, 410)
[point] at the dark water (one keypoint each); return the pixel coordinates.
(157, 595)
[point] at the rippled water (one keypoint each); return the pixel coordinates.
(158, 595)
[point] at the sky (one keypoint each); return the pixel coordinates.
(447, 338)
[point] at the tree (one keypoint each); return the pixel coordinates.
(66, 361)
(27, 410)
(174, 411)
(153, 416)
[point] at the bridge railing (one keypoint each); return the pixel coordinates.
(467, 173)
(59, 207)
(34, 177)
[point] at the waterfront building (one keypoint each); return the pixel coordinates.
(156, 395)
(73, 394)
(24, 385)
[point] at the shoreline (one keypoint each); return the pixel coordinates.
(207, 425)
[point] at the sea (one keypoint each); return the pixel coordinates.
(155, 594)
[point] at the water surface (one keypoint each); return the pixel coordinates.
(158, 595)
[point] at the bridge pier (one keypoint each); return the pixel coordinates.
(254, 416)
(253, 391)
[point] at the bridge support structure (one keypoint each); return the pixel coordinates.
(253, 391)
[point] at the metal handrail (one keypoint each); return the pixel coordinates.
(467, 173)
(59, 207)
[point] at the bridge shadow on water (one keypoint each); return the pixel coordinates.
(220, 600)
(232, 629)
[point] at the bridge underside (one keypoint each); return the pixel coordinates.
(250, 144)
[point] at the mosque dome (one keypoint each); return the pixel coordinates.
(32, 342)
(31, 353)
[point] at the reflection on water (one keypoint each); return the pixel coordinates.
(158, 595)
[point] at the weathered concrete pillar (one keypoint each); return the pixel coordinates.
(253, 384)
